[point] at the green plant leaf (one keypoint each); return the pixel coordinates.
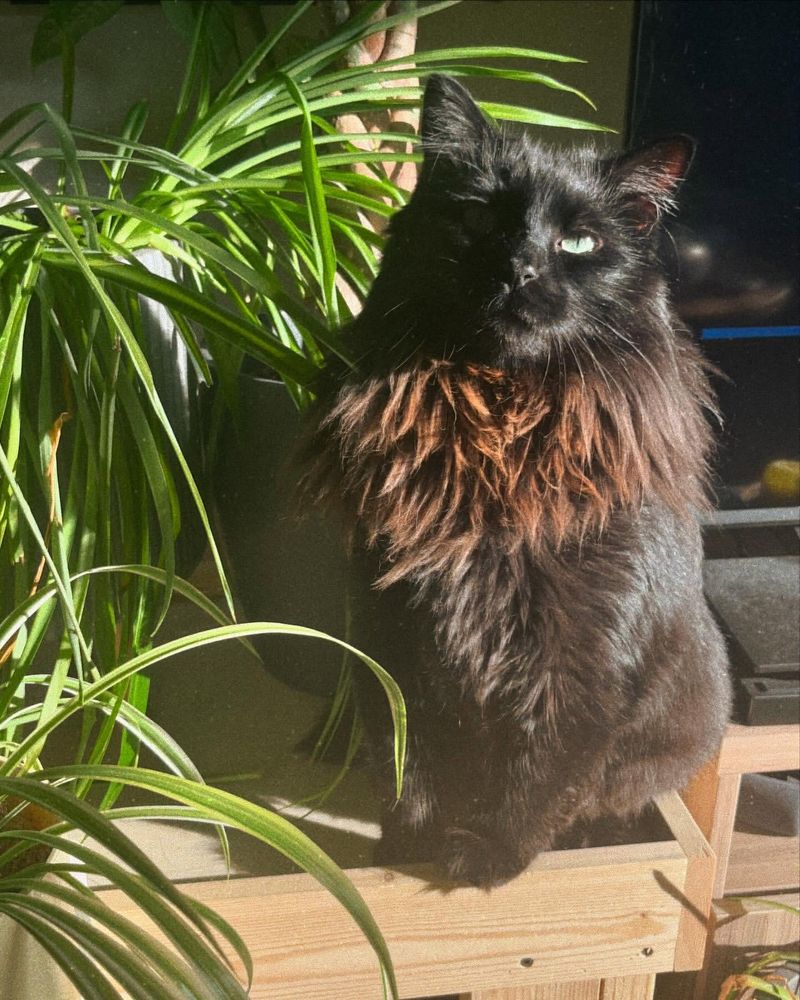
(162, 970)
(224, 324)
(79, 969)
(232, 811)
(195, 641)
(77, 640)
(415, 66)
(117, 323)
(73, 169)
(14, 324)
(764, 988)
(319, 222)
(172, 911)
(248, 68)
(132, 128)
(122, 962)
(529, 116)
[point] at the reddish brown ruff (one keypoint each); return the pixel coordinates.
(431, 459)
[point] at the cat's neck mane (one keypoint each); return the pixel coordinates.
(430, 459)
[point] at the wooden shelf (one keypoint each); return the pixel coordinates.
(618, 914)
(761, 862)
(759, 749)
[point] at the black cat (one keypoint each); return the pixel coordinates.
(520, 454)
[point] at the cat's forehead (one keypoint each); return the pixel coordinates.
(535, 173)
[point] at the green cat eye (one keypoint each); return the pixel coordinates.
(579, 244)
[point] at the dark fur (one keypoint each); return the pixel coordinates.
(520, 456)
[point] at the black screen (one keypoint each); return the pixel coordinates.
(726, 73)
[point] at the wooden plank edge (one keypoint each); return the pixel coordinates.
(759, 749)
(245, 886)
(693, 923)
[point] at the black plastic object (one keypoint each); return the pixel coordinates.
(757, 602)
(287, 564)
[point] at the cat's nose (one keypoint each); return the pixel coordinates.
(524, 273)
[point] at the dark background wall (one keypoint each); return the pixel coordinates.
(137, 54)
(599, 31)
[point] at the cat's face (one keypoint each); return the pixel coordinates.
(507, 248)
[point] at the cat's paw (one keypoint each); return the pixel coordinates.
(472, 859)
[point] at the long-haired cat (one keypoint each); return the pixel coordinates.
(520, 453)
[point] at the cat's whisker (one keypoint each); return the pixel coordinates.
(599, 367)
(549, 358)
(397, 305)
(619, 335)
(574, 353)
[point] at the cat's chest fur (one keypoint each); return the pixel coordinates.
(493, 500)
(432, 461)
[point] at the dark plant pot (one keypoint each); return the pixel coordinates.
(180, 391)
(284, 567)
(31, 817)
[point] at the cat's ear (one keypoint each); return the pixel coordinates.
(451, 120)
(649, 177)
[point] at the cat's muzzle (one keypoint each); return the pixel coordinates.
(527, 302)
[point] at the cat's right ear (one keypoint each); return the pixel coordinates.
(451, 121)
(650, 176)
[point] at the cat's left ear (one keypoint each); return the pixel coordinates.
(452, 123)
(650, 176)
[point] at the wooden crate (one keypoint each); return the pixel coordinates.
(755, 864)
(601, 921)
(713, 795)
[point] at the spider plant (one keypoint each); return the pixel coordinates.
(259, 204)
(765, 976)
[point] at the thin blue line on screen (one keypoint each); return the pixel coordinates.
(744, 332)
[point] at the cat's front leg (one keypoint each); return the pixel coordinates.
(409, 828)
(481, 857)
(532, 796)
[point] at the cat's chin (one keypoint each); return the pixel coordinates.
(515, 341)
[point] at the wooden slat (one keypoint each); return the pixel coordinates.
(693, 925)
(722, 828)
(700, 796)
(629, 988)
(712, 798)
(741, 928)
(761, 862)
(759, 749)
(605, 911)
(588, 990)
